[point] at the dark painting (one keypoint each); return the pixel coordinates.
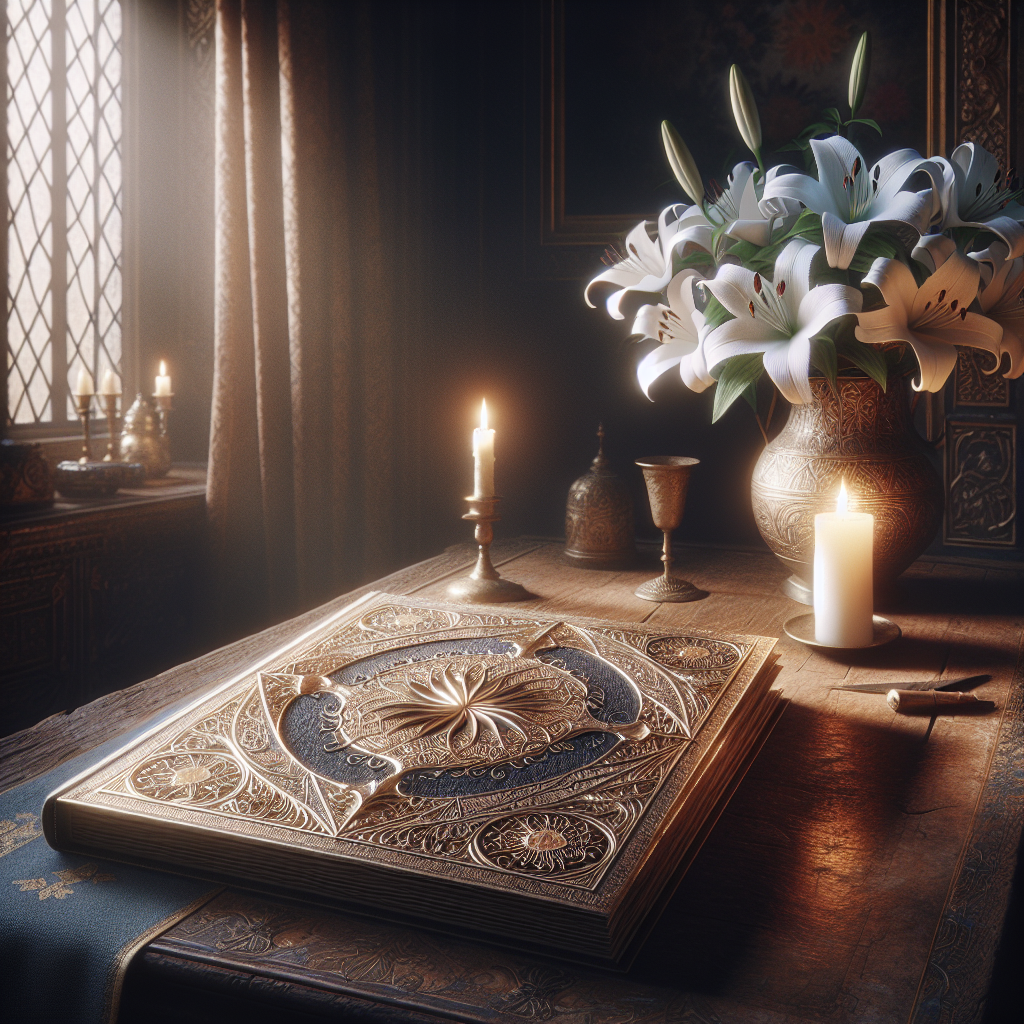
(628, 66)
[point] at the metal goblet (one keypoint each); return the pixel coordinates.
(667, 477)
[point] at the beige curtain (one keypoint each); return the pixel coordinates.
(307, 420)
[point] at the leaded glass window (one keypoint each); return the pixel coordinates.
(63, 201)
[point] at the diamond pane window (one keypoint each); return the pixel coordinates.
(63, 201)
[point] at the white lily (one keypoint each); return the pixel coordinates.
(647, 266)
(779, 318)
(680, 329)
(741, 212)
(974, 194)
(932, 319)
(1002, 300)
(850, 198)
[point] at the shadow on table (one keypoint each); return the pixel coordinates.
(775, 905)
(915, 654)
(946, 595)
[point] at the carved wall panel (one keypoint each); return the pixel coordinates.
(980, 457)
(972, 386)
(981, 460)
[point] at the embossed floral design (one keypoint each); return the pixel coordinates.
(192, 778)
(474, 699)
(542, 844)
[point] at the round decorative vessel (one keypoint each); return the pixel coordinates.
(143, 441)
(599, 531)
(862, 434)
(88, 479)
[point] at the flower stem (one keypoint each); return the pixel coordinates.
(760, 162)
(760, 426)
(771, 410)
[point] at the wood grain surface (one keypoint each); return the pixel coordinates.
(860, 873)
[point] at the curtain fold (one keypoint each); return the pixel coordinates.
(308, 414)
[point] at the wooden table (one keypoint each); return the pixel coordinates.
(861, 872)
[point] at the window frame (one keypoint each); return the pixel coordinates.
(61, 430)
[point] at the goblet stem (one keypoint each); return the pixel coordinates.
(666, 553)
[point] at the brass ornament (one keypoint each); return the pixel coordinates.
(144, 438)
(667, 478)
(599, 529)
(862, 434)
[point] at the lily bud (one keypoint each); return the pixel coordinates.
(859, 73)
(744, 109)
(682, 163)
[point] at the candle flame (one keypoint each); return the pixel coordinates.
(483, 414)
(841, 501)
(163, 368)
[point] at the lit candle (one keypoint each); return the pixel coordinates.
(843, 577)
(163, 382)
(85, 385)
(110, 385)
(483, 457)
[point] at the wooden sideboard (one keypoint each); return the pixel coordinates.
(95, 595)
(861, 872)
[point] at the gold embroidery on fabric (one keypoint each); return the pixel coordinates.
(61, 889)
(22, 830)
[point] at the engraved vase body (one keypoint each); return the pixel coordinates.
(863, 434)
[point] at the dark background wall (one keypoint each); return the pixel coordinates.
(495, 313)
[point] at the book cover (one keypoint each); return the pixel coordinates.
(524, 778)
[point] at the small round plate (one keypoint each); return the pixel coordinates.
(801, 627)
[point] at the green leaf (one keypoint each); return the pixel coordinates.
(823, 357)
(734, 377)
(696, 260)
(877, 243)
(870, 122)
(865, 357)
(744, 251)
(715, 314)
(750, 395)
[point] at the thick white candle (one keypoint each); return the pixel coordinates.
(111, 385)
(85, 385)
(163, 382)
(843, 576)
(483, 457)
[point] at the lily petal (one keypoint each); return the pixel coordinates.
(738, 338)
(933, 250)
(657, 362)
(841, 239)
(788, 365)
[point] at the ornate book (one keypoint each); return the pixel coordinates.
(533, 781)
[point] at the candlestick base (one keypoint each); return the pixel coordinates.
(801, 628)
(484, 585)
(481, 591)
(670, 589)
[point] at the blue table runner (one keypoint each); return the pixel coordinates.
(69, 925)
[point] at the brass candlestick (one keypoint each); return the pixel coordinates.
(163, 405)
(110, 408)
(84, 405)
(667, 477)
(484, 585)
